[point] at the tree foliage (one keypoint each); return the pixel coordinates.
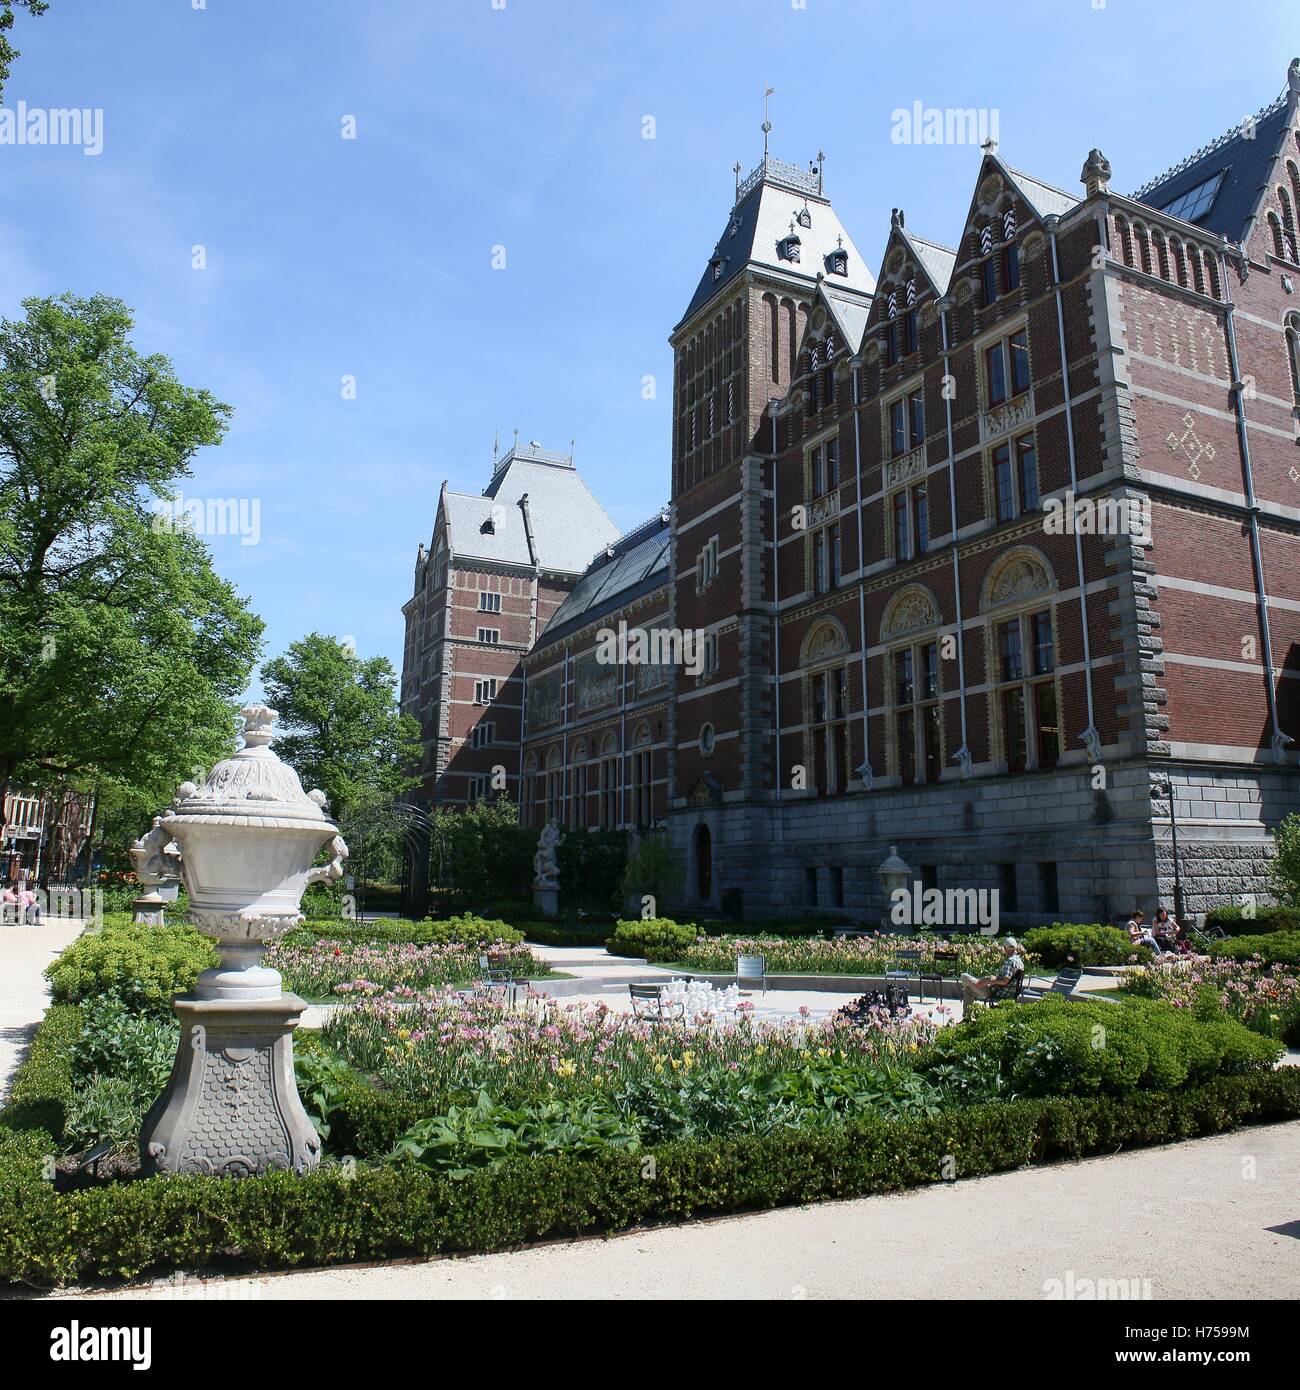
(1284, 868)
(7, 51)
(121, 650)
(340, 725)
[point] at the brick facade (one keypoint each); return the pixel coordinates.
(903, 647)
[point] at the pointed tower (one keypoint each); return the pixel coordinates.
(735, 351)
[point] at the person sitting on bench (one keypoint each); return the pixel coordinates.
(994, 986)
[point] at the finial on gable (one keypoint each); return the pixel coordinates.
(990, 146)
(1095, 174)
(1293, 78)
(896, 217)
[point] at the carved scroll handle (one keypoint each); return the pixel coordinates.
(157, 858)
(333, 871)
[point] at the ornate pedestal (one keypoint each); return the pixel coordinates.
(231, 1106)
(547, 899)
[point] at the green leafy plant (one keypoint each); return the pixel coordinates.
(1273, 948)
(653, 938)
(144, 965)
(654, 867)
(1254, 921)
(1284, 868)
(1065, 944)
(488, 1135)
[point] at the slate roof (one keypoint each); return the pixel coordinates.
(936, 260)
(1245, 164)
(1045, 198)
(850, 312)
(566, 517)
(770, 197)
(638, 564)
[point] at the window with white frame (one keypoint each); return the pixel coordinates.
(706, 565)
(1026, 698)
(489, 603)
(1013, 468)
(917, 714)
(485, 691)
(476, 787)
(483, 734)
(490, 635)
(710, 663)
(824, 467)
(1006, 368)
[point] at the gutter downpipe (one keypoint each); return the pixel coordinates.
(1279, 740)
(864, 771)
(1090, 738)
(963, 754)
(772, 407)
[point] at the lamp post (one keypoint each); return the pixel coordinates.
(1159, 790)
(243, 845)
(894, 874)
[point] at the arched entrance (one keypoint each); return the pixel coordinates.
(703, 863)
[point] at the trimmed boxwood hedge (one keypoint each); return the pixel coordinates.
(1263, 919)
(1274, 948)
(123, 1229)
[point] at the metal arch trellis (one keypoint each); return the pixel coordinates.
(415, 826)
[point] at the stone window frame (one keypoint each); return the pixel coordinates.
(641, 781)
(1012, 439)
(995, 611)
(816, 664)
(912, 620)
(707, 563)
(1002, 332)
(1291, 340)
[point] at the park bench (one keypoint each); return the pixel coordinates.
(648, 1003)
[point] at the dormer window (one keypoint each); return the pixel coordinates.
(788, 248)
(804, 217)
(489, 527)
(837, 263)
(717, 265)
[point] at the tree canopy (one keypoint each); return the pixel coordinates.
(122, 652)
(340, 726)
(7, 52)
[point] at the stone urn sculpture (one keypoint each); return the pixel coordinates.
(243, 844)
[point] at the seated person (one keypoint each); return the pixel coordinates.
(994, 986)
(32, 905)
(1139, 934)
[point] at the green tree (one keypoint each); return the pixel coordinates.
(653, 867)
(121, 651)
(340, 726)
(1284, 868)
(7, 52)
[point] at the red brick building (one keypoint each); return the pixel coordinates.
(985, 557)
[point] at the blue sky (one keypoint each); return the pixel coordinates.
(519, 127)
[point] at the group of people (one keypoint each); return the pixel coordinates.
(24, 903)
(1165, 936)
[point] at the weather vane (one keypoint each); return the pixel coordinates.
(767, 125)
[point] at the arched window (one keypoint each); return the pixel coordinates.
(643, 787)
(1293, 174)
(1198, 270)
(1125, 240)
(609, 784)
(1211, 275)
(1288, 225)
(909, 629)
(1162, 254)
(1020, 637)
(1143, 247)
(578, 788)
(1275, 226)
(1293, 355)
(533, 791)
(1179, 261)
(555, 787)
(824, 658)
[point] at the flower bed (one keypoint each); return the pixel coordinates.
(852, 955)
(443, 1046)
(1266, 999)
(340, 968)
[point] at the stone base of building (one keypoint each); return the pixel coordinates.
(1052, 846)
(231, 1106)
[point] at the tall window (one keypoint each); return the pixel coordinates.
(578, 797)
(918, 721)
(609, 817)
(1027, 691)
(825, 462)
(1011, 267)
(1015, 477)
(915, 419)
(554, 787)
(643, 780)
(829, 731)
(902, 527)
(910, 341)
(826, 558)
(898, 427)
(989, 281)
(1007, 368)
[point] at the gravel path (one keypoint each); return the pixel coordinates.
(24, 995)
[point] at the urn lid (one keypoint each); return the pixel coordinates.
(252, 787)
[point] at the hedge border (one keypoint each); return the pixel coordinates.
(326, 1217)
